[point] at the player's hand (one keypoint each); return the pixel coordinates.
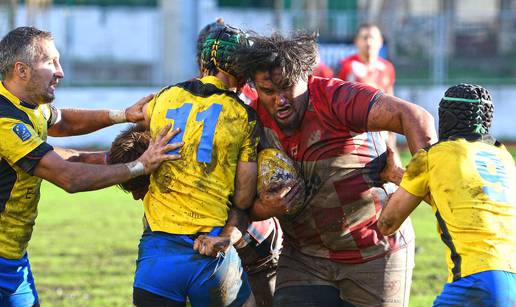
(211, 246)
(134, 113)
(279, 199)
(158, 148)
(393, 170)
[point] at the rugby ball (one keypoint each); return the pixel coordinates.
(276, 169)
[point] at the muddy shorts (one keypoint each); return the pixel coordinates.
(381, 282)
(168, 266)
(17, 287)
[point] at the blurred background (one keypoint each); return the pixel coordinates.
(115, 51)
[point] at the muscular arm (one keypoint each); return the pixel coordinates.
(80, 121)
(76, 177)
(398, 208)
(245, 184)
(394, 114)
(72, 155)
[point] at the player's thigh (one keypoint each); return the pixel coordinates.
(306, 281)
(221, 282)
(142, 298)
(489, 288)
(309, 296)
(381, 282)
(165, 265)
(263, 283)
(17, 288)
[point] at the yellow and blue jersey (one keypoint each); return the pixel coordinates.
(471, 185)
(23, 130)
(193, 194)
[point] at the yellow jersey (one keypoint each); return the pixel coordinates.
(23, 130)
(471, 185)
(193, 194)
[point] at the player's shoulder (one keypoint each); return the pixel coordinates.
(350, 58)
(387, 63)
(9, 112)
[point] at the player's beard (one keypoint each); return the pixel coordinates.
(39, 91)
(298, 109)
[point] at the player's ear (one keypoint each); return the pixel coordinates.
(22, 70)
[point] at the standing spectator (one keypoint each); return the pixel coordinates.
(332, 251)
(322, 70)
(468, 178)
(367, 66)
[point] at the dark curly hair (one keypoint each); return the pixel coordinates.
(465, 110)
(128, 146)
(295, 56)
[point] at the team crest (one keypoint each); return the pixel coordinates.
(22, 132)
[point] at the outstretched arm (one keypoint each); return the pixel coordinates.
(72, 155)
(397, 115)
(80, 121)
(398, 208)
(75, 177)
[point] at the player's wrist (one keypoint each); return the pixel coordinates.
(136, 168)
(117, 116)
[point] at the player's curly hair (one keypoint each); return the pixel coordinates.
(295, 56)
(465, 110)
(128, 146)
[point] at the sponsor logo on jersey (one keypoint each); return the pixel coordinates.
(22, 132)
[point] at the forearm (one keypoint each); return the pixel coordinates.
(80, 121)
(394, 114)
(88, 177)
(236, 225)
(418, 129)
(396, 211)
(75, 177)
(72, 155)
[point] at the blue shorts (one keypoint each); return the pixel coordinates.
(17, 287)
(489, 288)
(168, 266)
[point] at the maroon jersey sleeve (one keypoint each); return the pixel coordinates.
(351, 102)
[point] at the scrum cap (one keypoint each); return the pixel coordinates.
(465, 110)
(219, 46)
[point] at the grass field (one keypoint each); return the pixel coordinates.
(84, 246)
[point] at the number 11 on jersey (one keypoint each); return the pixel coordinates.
(209, 117)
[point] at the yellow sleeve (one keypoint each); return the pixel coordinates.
(18, 139)
(415, 179)
(248, 151)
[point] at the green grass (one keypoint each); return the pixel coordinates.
(84, 247)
